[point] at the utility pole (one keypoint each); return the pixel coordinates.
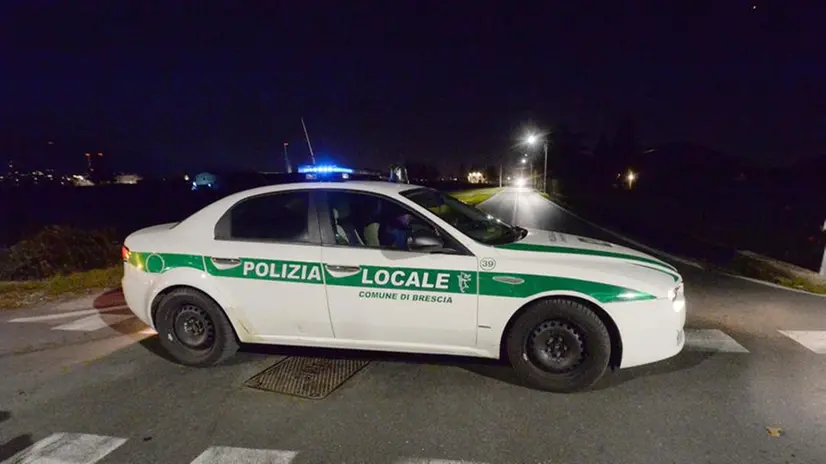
(287, 159)
(545, 172)
(500, 174)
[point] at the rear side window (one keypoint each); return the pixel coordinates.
(281, 217)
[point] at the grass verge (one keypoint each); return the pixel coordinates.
(760, 267)
(475, 196)
(14, 295)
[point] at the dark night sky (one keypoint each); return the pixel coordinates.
(169, 85)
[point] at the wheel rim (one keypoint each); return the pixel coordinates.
(193, 327)
(556, 346)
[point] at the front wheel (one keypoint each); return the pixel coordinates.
(559, 345)
(194, 329)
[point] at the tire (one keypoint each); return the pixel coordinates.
(575, 346)
(194, 330)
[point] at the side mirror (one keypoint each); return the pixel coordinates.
(425, 241)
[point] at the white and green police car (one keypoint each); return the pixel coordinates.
(396, 267)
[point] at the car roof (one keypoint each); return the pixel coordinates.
(365, 185)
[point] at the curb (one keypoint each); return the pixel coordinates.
(770, 284)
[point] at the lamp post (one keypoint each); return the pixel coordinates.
(532, 139)
(823, 260)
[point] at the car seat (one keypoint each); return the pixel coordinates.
(371, 230)
(346, 233)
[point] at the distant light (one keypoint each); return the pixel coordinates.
(524, 161)
(520, 182)
(531, 139)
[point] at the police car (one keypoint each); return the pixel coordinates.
(397, 267)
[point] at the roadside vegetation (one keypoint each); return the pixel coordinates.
(58, 262)
(475, 196)
(767, 269)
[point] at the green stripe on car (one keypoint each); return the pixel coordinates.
(392, 278)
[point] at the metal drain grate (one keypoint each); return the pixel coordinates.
(313, 378)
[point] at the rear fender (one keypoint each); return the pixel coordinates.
(203, 282)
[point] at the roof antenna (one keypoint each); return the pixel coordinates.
(307, 136)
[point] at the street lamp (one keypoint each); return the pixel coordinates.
(531, 140)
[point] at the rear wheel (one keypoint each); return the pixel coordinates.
(559, 345)
(194, 329)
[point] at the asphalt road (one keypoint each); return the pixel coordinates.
(106, 385)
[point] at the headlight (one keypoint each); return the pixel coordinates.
(675, 292)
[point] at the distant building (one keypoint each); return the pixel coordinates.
(128, 179)
(476, 177)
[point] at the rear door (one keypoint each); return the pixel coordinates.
(267, 256)
(381, 292)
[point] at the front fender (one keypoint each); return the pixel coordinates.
(495, 312)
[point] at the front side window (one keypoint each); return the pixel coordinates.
(274, 217)
(472, 222)
(364, 220)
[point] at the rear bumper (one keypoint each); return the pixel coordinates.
(136, 285)
(650, 330)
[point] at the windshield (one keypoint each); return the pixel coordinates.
(474, 223)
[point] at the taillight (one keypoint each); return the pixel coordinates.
(124, 253)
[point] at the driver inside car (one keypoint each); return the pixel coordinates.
(397, 230)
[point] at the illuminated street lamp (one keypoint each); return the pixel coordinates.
(524, 160)
(531, 140)
(630, 178)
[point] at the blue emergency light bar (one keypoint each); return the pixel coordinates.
(323, 169)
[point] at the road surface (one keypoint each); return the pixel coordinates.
(86, 385)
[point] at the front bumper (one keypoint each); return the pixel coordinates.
(650, 330)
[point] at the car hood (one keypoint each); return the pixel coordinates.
(540, 243)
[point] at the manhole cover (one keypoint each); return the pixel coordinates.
(313, 378)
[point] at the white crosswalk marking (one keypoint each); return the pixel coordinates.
(813, 340)
(435, 461)
(229, 455)
(90, 319)
(68, 448)
(712, 340)
(52, 317)
(94, 322)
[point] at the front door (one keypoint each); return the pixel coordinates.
(378, 290)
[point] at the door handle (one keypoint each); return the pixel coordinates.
(339, 268)
(226, 261)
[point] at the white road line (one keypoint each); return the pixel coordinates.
(229, 455)
(53, 317)
(712, 340)
(68, 448)
(95, 322)
(813, 340)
